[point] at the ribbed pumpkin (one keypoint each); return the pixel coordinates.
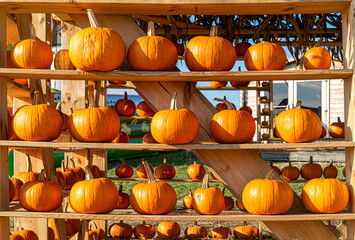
(89, 195)
(152, 197)
(37, 123)
(290, 173)
(267, 196)
(218, 83)
(16, 237)
(69, 175)
(330, 171)
(32, 54)
(311, 170)
(228, 201)
(96, 48)
(222, 106)
(95, 231)
(210, 53)
(276, 169)
(152, 52)
(239, 205)
(29, 175)
(62, 61)
(100, 124)
(220, 233)
(165, 171)
(324, 132)
(124, 170)
(196, 171)
(195, 231)
(141, 170)
(298, 125)
(174, 126)
(246, 232)
(17, 184)
(78, 170)
(123, 199)
(336, 129)
(40, 196)
(265, 56)
(187, 201)
(144, 110)
(122, 137)
(317, 58)
(325, 195)
(125, 106)
(27, 234)
(145, 231)
(12, 191)
(208, 200)
(168, 229)
(120, 230)
(232, 126)
(241, 48)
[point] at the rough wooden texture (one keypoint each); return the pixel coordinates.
(349, 109)
(12, 33)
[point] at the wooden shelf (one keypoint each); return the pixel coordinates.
(17, 90)
(182, 7)
(12, 73)
(119, 86)
(231, 88)
(135, 117)
(159, 180)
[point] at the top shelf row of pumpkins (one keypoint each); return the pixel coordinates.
(103, 49)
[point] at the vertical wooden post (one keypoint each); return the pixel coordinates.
(349, 111)
(4, 158)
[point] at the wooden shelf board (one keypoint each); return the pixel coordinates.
(230, 88)
(135, 117)
(119, 86)
(17, 90)
(169, 7)
(11, 73)
(158, 180)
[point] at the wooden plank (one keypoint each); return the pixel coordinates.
(182, 7)
(349, 109)
(43, 228)
(17, 90)
(154, 76)
(158, 180)
(23, 21)
(12, 32)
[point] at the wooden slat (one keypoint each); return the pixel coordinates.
(154, 76)
(17, 90)
(170, 7)
(158, 180)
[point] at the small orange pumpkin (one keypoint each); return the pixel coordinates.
(241, 48)
(168, 229)
(62, 61)
(17, 184)
(336, 129)
(118, 82)
(16, 236)
(78, 170)
(124, 170)
(123, 199)
(29, 175)
(145, 231)
(220, 233)
(121, 138)
(246, 232)
(330, 171)
(196, 171)
(96, 172)
(240, 205)
(290, 173)
(165, 171)
(120, 230)
(218, 83)
(144, 110)
(317, 58)
(12, 190)
(187, 201)
(276, 169)
(311, 170)
(141, 170)
(324, 132)
(65, 117)
(69, 175)
(228, 201)
(27, 234)
(195, 231)
(148, 139)
(223, 106)
(125, 107)
(95, 232)
(246, 108)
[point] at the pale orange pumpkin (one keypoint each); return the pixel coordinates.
(317, 58)
(336, 129)
(144, 110)
(62, 61)
(125, 106)
(196, 171)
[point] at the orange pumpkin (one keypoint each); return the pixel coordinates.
(311, 170)
(241, 48)
(220, 233)
(317, 58)
(17, 184)
(141, 170)
(124, 170)
(276, 169)
(122, 137)
(16, 237)
(187, 201)
(62, 61)
(228, 201)
(40, 196)
(196, 171)
(174, 126)
(195, 231)
(265, 56)
(152, 52)
(165, 171)
(29, 175)
(208, 200)
(12, 190)
(69, 175)
(210, 53)
(95, 232)
(10, 132)
(246, 232)
(125, 107)
(218, 83)
(232, 126)
(23, 82)
(168, 229)
(298, 125)
(72, 226)
(336, 129)
(290, 173)
(97, 191)
(120, 230)
(324, 132)
(145, 231)
(118, 82)
(78, 170)
(161, 200)
(267, 196)
(32, 54)
(239, 83)
(330, 171)
(97, 49)
(96, 172)
(37, 123)
(325, 195)
(148, 139)
(123, 199)
(65, 117)
(239, 205)
(223, 106)
(27, 234)
(144, 110)
(247, 109)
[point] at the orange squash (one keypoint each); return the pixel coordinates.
(123, 199)
(62, 61)
(196, 171)
(69, 175)
(124, 170)
(247, 109)
(125, 107)
(122, 137)
(330, 171)
(241, 48)
(187, 201)
(240, 205)
(195, 231)
(141, 170)
(16, 236)
(246, 232)
(17, 184)
(165, 171)
(95, 231)
(223, 106)
(290, 173)
(276, 169)
(220, 233)
(78, 170)
(145, 231)
(218, 83)
(168, 229)
(336, 129)
(120, 230)
(311, 170)
(29, 175)
(317, 58)
(228, 201)
(26, 234)
(144, 110)
(148, 139)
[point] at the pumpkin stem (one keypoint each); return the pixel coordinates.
(164, 159)
(205, 181)
(245, 223)
(214, 31)
(58, 105)
(65, 207)
(223, 190)
(125, 95)
(339, 120)
(92, 225)
(143, 223)
(120, 189)
(270, 174)
(29, 164)
(195, 223)
(148, 171)
(63, 166)
(92, 19)
(331, 163)
(71, 111)
(41, 176)
(151, 29)
(311, 159)
(173, 104)
(123, 162)
(225, 98)
(289, 162)
(88, 173)
(229, 104)
(299, 103)
(91, 97)
(72, 163)
(239, 69)
(190, 193)
(195, 162)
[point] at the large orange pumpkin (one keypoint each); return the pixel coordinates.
(29, 175)
(40, 196)
(325, 195)
(165, 171)
(174, 126)
(17, 184)
(290, 173)
(330, 171)
(125, 107)
(311, 170)
(195, 231)
(336, 129)
(196, 171)
(27, 234)
(123, 199)
(37, 123)
(187, 201)
(317, 58)
(144, 110)
(267, 196)
(62, 61)
(120, 230)
(232, 126)
(124, 170)
(145, 231)
(208, 200)
(32, 54)
(168, 229)
(152, 52)
(148, 139)
(220, 233)
(141, 170)
(152, 197)
(246, 232)
(298, 125)
(210, 53)
(89, 195)
(265, 56)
